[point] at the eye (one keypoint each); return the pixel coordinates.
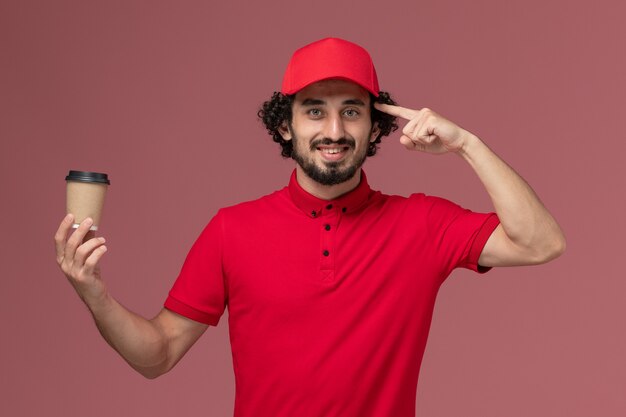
(351, 112)
(315, 112)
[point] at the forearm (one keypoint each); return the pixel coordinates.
(151, 347)
(138, 340)
(528, 234)
(524, 218)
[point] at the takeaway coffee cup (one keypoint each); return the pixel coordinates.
(85, 196)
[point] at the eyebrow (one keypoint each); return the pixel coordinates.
(318, 102)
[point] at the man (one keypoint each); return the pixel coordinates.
(330, 286)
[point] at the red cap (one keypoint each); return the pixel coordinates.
(330, 58)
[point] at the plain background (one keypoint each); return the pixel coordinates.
(163, 97)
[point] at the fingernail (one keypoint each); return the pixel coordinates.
(88, 220)
(102, 239)
(69, 217)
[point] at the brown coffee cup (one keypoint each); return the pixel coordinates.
(85, 196)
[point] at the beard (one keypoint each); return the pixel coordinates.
(331, 173)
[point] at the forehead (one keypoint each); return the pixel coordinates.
(328, 90)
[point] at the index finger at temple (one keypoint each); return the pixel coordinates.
(397, 111)
(60, 236)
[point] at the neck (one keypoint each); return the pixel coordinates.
(326, 192)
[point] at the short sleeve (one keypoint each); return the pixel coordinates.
(200, 291)
(458, 234)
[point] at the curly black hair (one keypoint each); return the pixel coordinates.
(277, 110)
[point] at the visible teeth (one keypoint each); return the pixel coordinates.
(331, 150)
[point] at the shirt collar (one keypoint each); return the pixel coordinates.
(315, 207)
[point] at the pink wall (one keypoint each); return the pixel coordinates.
(163, 96)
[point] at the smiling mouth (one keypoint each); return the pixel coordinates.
(333, 153)
(332, 150)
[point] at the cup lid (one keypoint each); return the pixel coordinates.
(86, 176)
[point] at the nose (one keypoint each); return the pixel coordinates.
(334, 128)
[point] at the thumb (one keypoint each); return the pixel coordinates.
(407, 142)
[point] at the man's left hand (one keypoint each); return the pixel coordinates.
(427, 131)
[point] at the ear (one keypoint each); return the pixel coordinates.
(375, 132)
(284, 131)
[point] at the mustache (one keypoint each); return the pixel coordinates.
(327, 142)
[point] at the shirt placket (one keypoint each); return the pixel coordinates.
(328, 242)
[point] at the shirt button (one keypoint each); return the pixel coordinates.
(344, 209)
(327, 227)
(313, 213)
(326, 253)
(328, 207)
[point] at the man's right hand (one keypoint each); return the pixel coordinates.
(152, 347)
(79, 258)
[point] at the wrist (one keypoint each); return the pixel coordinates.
(98, 302)
(471, 143)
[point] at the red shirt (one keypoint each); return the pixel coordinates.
(330, 302)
